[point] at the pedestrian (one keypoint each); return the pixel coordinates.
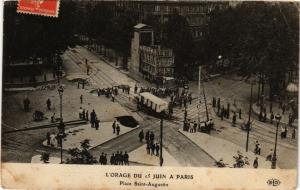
(53, 118)
(141, 135)
(81, 98)
(117, 158)
(290, 119)
(294, 133)
(80, 113)
(48, 138)
(151, 137)
(240, 113)
(101, 159)
(222, 113)
(157, 149)
(148, 148)
(98, 92)
(112, 97)
(152, 149)
(112, 159)
(93, 118)
(83, 114)
(135, 89)
(53, 139)
(105, 159)
(228, 110)
(264, 117)
(97, 121)
(234, 119)
(126, 158)
(219, 103)
(48, 102)
(260, 116)
(121, 158)
(87, 115)
(257, 148)
(272, 117)
(255, 163)
(283, 108)
(26, 103)
(269, 156)
(214, 102)
(118, 129)
(195, 127)
(114, 125)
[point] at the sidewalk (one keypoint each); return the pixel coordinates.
(140, 156)
(97, 137)
(219, 148)
(275, 109)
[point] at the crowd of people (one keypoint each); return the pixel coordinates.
(152, 147)
(117, 158)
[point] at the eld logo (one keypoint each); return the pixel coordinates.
(273, 182)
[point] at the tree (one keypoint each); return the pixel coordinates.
(177, 36)
(258, 37)
(81, 156)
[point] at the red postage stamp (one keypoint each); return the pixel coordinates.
(39, 7)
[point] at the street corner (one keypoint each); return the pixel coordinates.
(75, 135)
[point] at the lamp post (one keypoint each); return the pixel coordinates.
(161, 140)
(274, 159)
(61, 124)
(249, 117)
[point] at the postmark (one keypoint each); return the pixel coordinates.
(39, 7)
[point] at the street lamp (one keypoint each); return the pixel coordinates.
(249, 116)
(61, 124)
(278, 118)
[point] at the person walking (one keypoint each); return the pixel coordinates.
(234, 119)
(104, 159)
(147, 136)
(97, 123)
(112, 159)
(48, 138)
(152, 136)
(118, 129)
(48, 102)
(152, 149)
(126, 158)
(141, 135)
(269, 156)
(157, 148)
(272, 117)
(240, 113)
(93, 118)
(148, 147)
(101, 159)
(114, 125)
(81, 99)
(117, 158)
(121, 158)
(112, 97)
(87, 115)
(255, 163)
(83, 114)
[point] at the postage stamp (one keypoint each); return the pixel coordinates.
(39, 7)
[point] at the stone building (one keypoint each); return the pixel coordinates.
(148, 60)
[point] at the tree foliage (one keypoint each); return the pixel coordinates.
(29, 36)
(258, 37)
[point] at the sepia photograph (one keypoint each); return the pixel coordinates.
(206, 84)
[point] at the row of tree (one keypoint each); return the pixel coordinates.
(259, 38)
(28, 37)
(256, 37)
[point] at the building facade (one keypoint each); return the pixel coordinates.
(156, 62)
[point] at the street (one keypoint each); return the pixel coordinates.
(187, 153)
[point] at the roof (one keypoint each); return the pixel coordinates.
(142, 26)
(153, 98)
